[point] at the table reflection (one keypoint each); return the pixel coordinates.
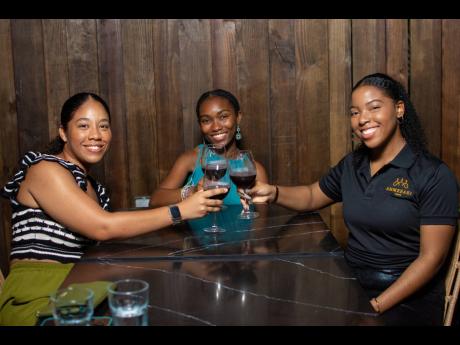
(282, 268)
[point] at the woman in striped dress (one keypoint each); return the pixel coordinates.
(58, 209)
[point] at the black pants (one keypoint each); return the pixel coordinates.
(423, 308)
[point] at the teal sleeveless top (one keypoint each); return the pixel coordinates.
(232, 197)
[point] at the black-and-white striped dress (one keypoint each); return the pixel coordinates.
(35, 234)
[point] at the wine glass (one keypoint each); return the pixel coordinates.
(242, 168)
(213, 153)
(215, 176)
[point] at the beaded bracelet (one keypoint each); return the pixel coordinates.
(186, 191)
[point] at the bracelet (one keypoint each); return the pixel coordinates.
(275, 199)
(186, 191)
(377, 304)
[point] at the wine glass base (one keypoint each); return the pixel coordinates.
(214, 229)
(248, 215)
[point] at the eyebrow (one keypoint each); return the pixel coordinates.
(373, 100)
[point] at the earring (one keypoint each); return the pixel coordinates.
(400, 119)
(238, 135)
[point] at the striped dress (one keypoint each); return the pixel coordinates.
(35, 235)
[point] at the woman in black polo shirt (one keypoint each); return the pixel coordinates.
(399, 203)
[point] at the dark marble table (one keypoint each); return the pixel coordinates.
(283, 268)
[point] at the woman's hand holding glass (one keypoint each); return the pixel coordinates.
(201, 203)
(262, 193)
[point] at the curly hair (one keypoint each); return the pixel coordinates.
(410, 126)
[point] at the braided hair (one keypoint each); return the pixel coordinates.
(410, 126)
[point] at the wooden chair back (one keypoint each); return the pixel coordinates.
(452, 282)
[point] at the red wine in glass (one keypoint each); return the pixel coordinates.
(216, 185)
(243, 171)
(216, 170)
(215, 176)
(244, 180)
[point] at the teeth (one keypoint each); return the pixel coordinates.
(369, 130)
(94, 148)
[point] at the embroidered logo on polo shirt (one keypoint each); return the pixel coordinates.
(400, 187)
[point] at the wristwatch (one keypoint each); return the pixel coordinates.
(175, 214)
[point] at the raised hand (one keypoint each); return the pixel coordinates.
(261, 193)
(201, 203)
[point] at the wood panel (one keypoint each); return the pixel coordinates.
(83, 66)
(253, 82)
(82, 55)
(312, 93)
(223, 43)
(282, 102)
(339, 88)
(312, 96)
(30, 84)
(167, 94)
(110, 56)
(339, 33)
(292, 77)
(138, 60)
(397, 50)
(56, 71)
(451, 95)
(195, 72)
(426, 77)
(368, 47)
(9, 154)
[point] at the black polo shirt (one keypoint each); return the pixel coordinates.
(384, 212)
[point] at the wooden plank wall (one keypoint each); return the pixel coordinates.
(292, 77)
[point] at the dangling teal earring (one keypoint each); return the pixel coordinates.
(238, 135)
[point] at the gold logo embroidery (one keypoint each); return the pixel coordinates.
(400, 187)
(401, 182)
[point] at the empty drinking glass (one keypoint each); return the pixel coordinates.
(73, 306)
(128, 301)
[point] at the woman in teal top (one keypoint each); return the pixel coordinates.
(219, 115)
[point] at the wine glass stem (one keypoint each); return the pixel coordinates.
(248, 210)
(214, 220)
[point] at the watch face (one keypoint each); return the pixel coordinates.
(175, 214)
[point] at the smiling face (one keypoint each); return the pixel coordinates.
(88, 134)
(218, 120)
(374, 117)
